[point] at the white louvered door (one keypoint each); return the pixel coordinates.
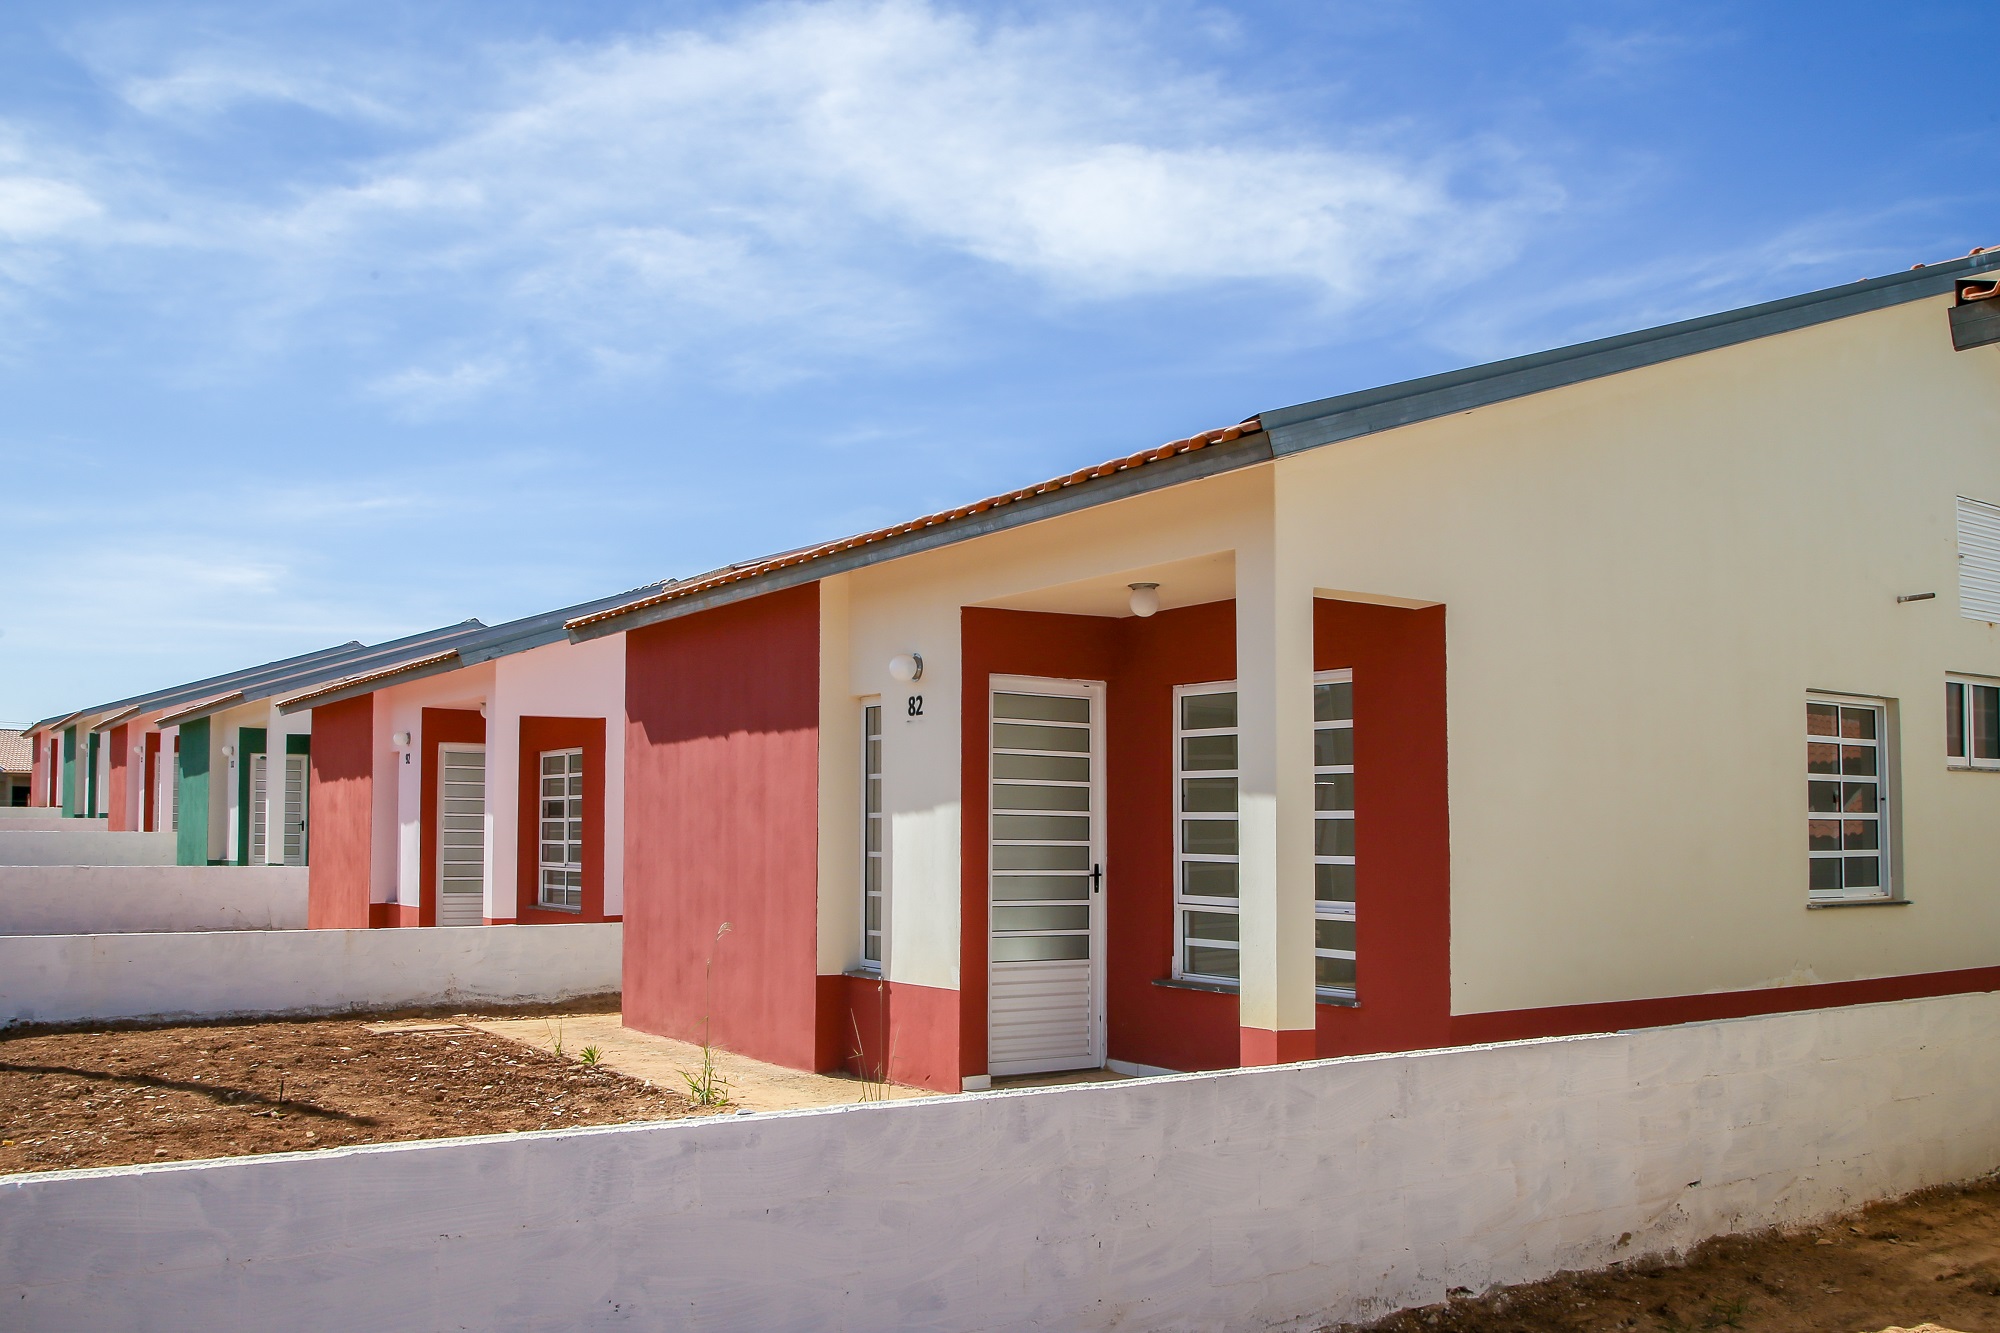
(260, 809)
(1045, 998)
(1978, 560)
(461, 835)
(295, 809)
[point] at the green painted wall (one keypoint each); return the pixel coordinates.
(249, 741)
(69, 772)
(191, 779)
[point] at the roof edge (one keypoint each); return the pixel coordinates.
(1152, 469)
(199, 709)
(355, 686)
(1368, 411)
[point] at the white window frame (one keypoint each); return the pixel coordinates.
(1843, 813)
(1338, 915)
(1963, 706)
(1185, 902)
(874, 841)
(570, 867)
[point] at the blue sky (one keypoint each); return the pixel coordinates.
(332, 320)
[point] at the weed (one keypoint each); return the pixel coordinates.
(875, 1082)
(556, 1041)
(707, 1087)
(589, 1055)
(1726, 1314)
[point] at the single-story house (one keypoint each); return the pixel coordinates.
(17, 766)
(1641, 681)
(477, 783)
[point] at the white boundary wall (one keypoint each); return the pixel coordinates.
(89, 844)
(102, 900)
(35, 819)
(221, 974)
(1253, 1198)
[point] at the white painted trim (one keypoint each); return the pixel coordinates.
(1133, 1070)
(1887, 807)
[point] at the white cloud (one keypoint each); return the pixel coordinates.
(34, 207)
(786, 188)
(422, 390)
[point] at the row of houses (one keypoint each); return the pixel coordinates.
(1641, 681)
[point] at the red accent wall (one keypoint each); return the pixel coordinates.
(1150, 1024)
(1015, 643)
(865, 1022)
(560, 733)
(1404, 919)
(1402, 827)
(722, 825)
(116, 804)
(149, 777)
(438, 726)
(342, 801)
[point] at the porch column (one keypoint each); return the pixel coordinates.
(1274, 665)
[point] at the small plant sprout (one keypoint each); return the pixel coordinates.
(589, 1055)
(556, 1039)
(875, 1081)
(706, 1086)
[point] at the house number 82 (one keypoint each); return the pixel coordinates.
(916, 705)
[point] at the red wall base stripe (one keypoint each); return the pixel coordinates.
(1618, 1016)
(1261, 1046)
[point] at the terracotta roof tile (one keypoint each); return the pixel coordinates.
(806, 554)
(365, 678)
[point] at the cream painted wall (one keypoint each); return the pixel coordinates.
(1644, 576)
(840, 764)
(557, 680)
(912, 605)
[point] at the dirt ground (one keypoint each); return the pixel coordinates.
(76, 1099)
(1933, 1258)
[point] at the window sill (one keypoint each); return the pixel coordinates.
(558, 907)
(1213, 987)
(1857, 902)
(863, 973)
(1972, 768)
(1225, 988)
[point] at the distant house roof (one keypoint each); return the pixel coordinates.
(17, 753)
(516, 636)
(1280, 431)
(389, 656)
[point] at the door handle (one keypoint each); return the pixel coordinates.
(1096, 878)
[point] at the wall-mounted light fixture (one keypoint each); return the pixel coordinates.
(907, 666)
(228, 752)
(1145, 599)
(400, 739)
